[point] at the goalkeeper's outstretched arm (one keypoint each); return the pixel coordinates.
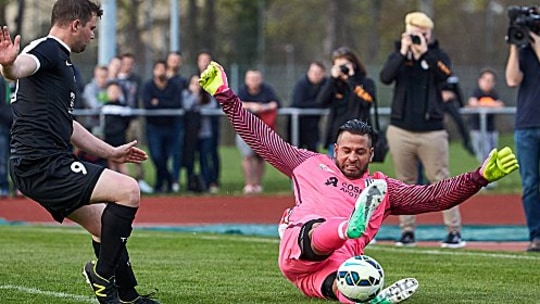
(261, 138)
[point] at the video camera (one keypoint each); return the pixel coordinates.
(522, 20)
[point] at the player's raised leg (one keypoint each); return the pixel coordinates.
(367, 202)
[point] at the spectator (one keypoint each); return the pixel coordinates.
(131, 85)
(214, 161)
(419, 70)
(192, 98)
(453, 100)
(162, 131)
(114, 68)
(95, 95)
(258, 98)
(198, 135)
(116, 122)
(174, 63)
(522, 71)
(6, 118)
(349, 93)
(304, 96)
(484, 96)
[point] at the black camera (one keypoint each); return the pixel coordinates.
(416, 39)
(344, 69)
(522, 20)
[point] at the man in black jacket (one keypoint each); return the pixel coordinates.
(419, 70)
(304, 96)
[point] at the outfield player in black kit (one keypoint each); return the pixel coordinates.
(42, 164)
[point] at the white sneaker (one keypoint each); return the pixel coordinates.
(397, 292)
(257, 189)
(175, 187)
(248, 189)
(213, 189)
(145, 187)
(366, 204)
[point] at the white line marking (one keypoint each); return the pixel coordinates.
(458, 253)
(78, 298)
(393, 249)
(239, 238)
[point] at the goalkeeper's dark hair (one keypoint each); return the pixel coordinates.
(360, 127)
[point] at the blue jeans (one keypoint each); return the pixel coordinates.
(206, 160)
(161, 142)
(177, 152)
(4, 156)
(528, 155)
(215, 169)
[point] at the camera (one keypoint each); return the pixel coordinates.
(344, 69)
(522, 20)
(416, 39)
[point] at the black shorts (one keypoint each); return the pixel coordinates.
(59, 183)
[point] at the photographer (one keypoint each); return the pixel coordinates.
(349, 94)
(523, 71)
(419, 70)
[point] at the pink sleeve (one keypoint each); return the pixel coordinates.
(261, 138)
(416, 199)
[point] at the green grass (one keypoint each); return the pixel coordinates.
(43, 265)
(275, 182)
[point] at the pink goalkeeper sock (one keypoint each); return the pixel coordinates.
(330, 235)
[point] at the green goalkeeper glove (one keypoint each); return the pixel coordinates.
(499, 164)
(214, 80)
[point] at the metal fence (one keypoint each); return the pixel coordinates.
(294, 114)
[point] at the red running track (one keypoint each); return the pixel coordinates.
(481, 209)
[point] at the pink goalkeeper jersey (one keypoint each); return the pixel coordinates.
(321, 189)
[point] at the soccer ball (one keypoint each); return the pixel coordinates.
(360, 278)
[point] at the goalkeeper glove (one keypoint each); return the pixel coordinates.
(214, 80)
(499, 164)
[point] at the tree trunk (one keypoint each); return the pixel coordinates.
(426, 6)
(193, 44)
(19, 20)
(329, 42)
(373, 35)
(209, 27)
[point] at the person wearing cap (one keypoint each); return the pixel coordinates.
(418, 68)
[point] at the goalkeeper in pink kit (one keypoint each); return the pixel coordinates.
(339, 205)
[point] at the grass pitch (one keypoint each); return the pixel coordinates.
(43, 265)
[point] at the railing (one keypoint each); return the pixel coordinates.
(294, 113)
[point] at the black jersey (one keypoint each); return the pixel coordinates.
(43, 102)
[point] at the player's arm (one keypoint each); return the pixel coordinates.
(513, 73)
(261, 138)
(445, 194)
(473, 102)
(87, 142)
(15, 65)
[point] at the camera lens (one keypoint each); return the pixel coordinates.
(344, 69)
(416, 39)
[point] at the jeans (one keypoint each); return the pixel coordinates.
(161, 142)
(206, 159)
(177, 152)
(528, 155)
(4, 156)
(214, 150)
